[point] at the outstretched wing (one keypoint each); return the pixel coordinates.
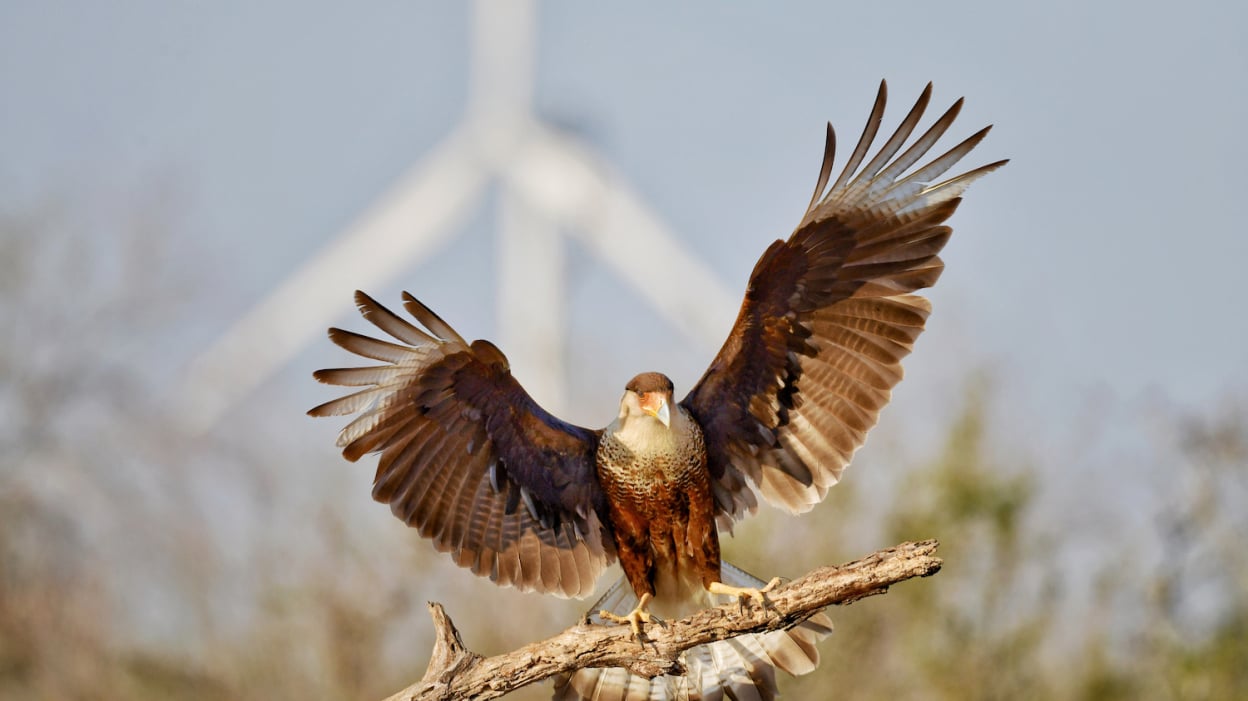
(827, 319)
(468, 458)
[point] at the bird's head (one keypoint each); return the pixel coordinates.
(648, 394)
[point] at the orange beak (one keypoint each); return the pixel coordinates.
(655, 404)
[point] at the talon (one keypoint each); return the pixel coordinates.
(633, 618)
(743, 593)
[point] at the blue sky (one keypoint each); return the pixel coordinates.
(1101, 268)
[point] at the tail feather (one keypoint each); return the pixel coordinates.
(738, 669)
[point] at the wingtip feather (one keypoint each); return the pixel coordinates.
(430, 319)
(825, 171)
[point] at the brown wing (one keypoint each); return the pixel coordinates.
(468, 458)
(827, 318)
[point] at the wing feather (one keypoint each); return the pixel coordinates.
(864, 141)
(432, 321)
(828, 317)
(390, 322)
(369, 347)
(867, 176)
(445, 527)
(467, 457)
(829, 150)
(924, 143)
(424, 479)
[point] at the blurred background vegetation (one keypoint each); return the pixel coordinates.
(139, 562)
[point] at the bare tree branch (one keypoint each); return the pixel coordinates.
(458, 673)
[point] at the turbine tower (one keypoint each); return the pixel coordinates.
(550, 185)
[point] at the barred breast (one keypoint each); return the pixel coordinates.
(652, 466)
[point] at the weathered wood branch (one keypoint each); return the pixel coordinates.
(457, 673)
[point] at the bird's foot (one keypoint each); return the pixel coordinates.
(744, 593)
(634, 618)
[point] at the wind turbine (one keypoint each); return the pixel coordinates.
(550, 184)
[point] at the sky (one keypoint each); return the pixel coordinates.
(1097, 273)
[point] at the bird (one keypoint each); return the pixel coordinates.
(513, 493)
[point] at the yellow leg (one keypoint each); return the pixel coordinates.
(743, 593)
(634, 618)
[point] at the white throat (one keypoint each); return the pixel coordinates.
(645, 435)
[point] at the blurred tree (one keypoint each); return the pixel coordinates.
(975, 630)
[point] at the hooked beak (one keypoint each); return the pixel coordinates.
(655, 404)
